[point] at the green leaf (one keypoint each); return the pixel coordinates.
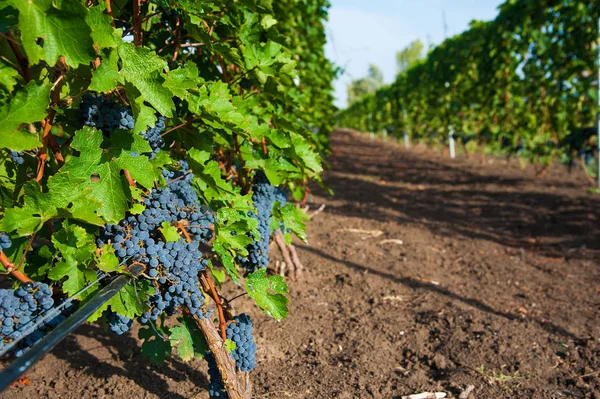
(106, 77)
(108, 261)
(293, 219)
(103, 33)
(129, 302)
(66, 197)
(52, 29)
(8, 17)
(109, 187)
(28, 105)
(7, 76)
(230, 345)
(182, 338)
(268, 293)
(77, 249)
(154, 346)
(144, 70)
(137, 209)
(267, 21)
(170, 233)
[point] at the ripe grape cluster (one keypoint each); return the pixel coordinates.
(28, 312)
(104, 113)
(173, 266)
(20, 310)
(153, 135)
(216, 389)
(117, 323)
(264, 197)
(240, 332)
(5, 241)
(16, 157)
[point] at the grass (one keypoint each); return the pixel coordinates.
(493, 376)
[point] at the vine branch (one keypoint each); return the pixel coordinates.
(10, 268)
(208, 286)
(237, 384)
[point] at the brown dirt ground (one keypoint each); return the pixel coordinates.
(496, 284)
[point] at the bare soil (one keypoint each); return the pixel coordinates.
(423, 274)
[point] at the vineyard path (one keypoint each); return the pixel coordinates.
(422, 274)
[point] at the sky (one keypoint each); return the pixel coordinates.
(361, 32)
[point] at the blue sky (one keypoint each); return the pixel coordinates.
(361, 32)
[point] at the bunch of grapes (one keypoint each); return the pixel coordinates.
(153, 135)
(240, 332)
(20, 310)
(104, 113)
(5, 241)
(16, 157)
(216, 389)
(264, 197)
(173, 266)
(117, 323)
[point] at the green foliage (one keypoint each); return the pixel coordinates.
(409, 56)
(522, 83)
(359, 88)
(269, 293)
(245, 87)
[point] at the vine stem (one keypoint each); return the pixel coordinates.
(210, 288)
(10, 267)
(264, 145)
(21, 59)
(137, 31)
(47, 137)
(237, 384)
(129, 178)
(108, 8)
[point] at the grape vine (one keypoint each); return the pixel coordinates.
(507, 85)
(166, 141)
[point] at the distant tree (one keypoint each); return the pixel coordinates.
(409, 56)
(375, 75)
(369, 84)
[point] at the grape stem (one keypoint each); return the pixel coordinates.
(47, 137)
(10, 267)
(178, 126)
(129, 178)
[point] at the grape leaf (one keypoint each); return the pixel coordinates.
(230, 345)
(106, 77)
(107, 261)
(144, 70)
(66, 197)
(111, 189)
(77, 248)
(52, 29)
(103, 33)
(293, 219)
(28, 105)
(183, 341)
(155, 347)
(268, 293)
(170, 233)
(127, 302)
(7, 76)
